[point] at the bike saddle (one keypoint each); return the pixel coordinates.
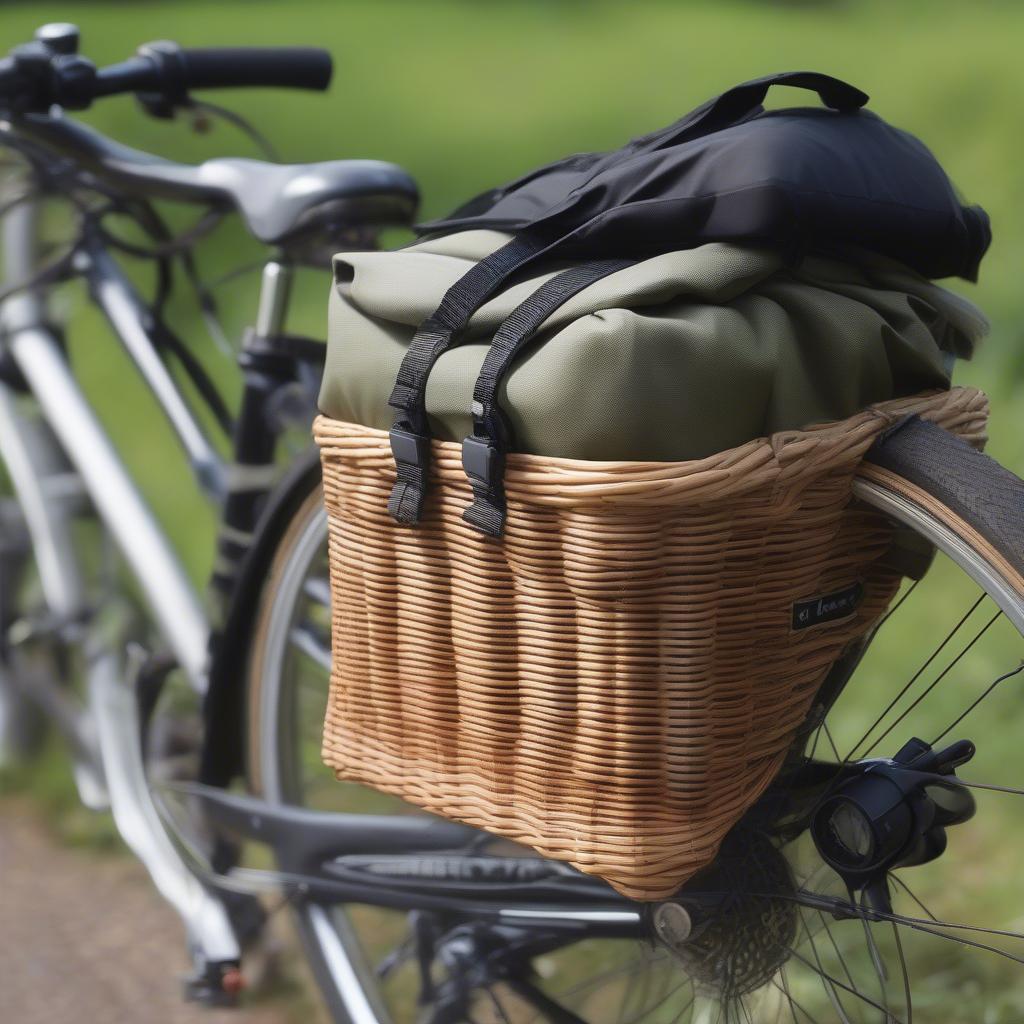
(276, 201)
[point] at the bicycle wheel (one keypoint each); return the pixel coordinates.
(787, 937)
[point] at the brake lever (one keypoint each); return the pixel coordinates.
(164, 103)
(161, 106)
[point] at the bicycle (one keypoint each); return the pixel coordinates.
(403, 915)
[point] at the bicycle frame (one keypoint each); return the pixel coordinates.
(36, 350)
(70, 437)
(66, 442)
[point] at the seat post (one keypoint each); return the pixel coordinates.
(275, 292)
(253, 469)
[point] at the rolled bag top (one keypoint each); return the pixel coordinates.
(676, 357)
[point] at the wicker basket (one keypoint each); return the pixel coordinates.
(618, 679)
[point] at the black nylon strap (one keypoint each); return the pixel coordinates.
(483, 453)
(410, 435)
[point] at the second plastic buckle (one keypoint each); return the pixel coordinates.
(482, 461)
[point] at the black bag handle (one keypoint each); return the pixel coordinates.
(483, 452)
(739, 102)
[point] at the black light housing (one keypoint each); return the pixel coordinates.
(893, 813)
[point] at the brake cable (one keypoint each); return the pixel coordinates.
(62, 178)
(243, 124)
(177, 245)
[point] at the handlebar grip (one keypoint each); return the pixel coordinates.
(296, 67)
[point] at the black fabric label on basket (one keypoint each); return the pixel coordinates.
(813, 611)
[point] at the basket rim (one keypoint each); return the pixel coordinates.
(787, 458)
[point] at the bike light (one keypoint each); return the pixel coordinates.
(892, 813)
(850, 830)
(865, 826)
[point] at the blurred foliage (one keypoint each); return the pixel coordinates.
(467, 95)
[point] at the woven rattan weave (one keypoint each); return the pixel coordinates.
(617, 679)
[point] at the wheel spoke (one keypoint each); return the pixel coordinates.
(644, 985)
(627, 995)
(876, 958)
(305, 639)
(913, 679)
(926, 927)
(794, 1005)
(906, 975)
(835, 946)
(823, 902)
(830, 989)
(663, 999)
(935, 682)
(906, 888)
(318, 589)
(846, 988)
(743, 1008)
(615, 972)
(898, 605)
(975, 703)
(831, 741)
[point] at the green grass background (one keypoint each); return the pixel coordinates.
(467, 95)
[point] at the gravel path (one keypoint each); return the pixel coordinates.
(84, 938)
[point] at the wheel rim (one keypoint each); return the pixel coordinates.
(277, 712)
(843, 970)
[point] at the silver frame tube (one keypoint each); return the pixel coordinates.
(115, 710)
(38, 355)
(132, 324)
(38, 452)
(275, 291)
(26, 445)
(31, 460)
(168, 591)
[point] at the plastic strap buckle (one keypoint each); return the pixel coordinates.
(484, 464)
(409, 449)
(412, 462)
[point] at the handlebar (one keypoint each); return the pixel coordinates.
(165, 67)
(48, 71)
(294, 67)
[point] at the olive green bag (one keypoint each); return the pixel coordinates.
(673, 358)
(586, 627)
